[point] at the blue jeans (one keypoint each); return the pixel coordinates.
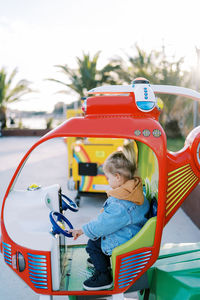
(100, 260)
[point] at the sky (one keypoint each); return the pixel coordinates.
(37, 35)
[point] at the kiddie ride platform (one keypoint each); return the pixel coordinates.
(74, 269)
(33, 221)
(175, 275)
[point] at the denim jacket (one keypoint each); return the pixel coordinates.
(118, 223)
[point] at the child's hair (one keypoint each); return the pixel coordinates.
(122, 163)
(130, 151)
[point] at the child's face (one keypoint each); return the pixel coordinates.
(114, 180)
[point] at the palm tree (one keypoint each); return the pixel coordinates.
(158, 70)
(87, 76)
(10, 93)
(141, 65)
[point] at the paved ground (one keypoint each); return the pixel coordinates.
(48, 165)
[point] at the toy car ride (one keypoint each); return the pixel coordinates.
(33, 220)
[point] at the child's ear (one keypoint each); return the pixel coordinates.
(118, 176)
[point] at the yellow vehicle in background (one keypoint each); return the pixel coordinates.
(71, 113)
(86, 158)
(85, 161)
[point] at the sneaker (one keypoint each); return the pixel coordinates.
(90, 263)
(99, 281)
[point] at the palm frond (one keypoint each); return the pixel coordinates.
(87, 76)
(10, 93)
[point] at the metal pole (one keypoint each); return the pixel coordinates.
(195, 106)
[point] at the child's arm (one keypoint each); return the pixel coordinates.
(113, 218)
(76, 232)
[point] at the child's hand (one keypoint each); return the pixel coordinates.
(76, 232)
(101, 210)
